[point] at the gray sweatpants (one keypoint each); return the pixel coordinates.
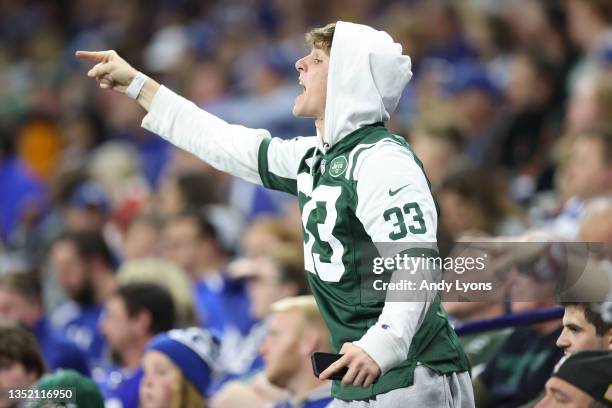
(429, 390)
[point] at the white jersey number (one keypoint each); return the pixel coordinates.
(328, 271)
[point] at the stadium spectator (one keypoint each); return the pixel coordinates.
(596, 223)
(142, 237)
(191, 241)
(379, 82)
(583, 329)
(474, 94)
(269, 278)
(589, 29)
(589, 102)
(89, 208)
(265, 233)
(582, 380)
(84, 268)
(178, 367)
(21, 363)
(587, 177)
(21, 301)
(525, 360)
(132, 317)
(438, 144)
(295, 331)
(532, 124)
(470, 203)
(83, 391)
(167, 275)
(188, 190)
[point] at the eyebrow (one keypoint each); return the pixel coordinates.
(559, 395)
(573, 326)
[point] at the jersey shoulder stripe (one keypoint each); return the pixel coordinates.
(361, 151)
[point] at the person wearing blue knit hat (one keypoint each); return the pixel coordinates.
(177, 368)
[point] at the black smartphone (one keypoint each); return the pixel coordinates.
(320, 361)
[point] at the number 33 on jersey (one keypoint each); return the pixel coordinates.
(370, 187)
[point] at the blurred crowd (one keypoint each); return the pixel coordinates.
(137, 272)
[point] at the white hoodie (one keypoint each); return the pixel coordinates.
(367, 74)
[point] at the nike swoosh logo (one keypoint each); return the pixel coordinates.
(394, 192)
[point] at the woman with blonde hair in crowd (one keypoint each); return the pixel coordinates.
(178, 369)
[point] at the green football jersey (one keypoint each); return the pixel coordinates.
(367, 188)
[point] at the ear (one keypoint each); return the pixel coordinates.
(142, 320)
(309, 342)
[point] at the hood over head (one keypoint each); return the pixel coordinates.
(367, 75)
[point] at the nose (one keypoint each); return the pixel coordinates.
(562, 341)
(300, 65)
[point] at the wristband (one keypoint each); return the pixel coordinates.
(133, 90)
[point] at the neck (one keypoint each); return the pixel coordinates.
(132, 354)
(303, 383)
(320, 125)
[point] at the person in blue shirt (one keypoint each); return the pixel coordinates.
(84, 267)
(20, 301)
(191, 241)
(133, 315)
(270, 278)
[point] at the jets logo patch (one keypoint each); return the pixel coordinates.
(338, 166)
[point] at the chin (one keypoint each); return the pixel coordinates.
(298, 110)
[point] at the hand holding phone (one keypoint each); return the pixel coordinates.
(320, 362)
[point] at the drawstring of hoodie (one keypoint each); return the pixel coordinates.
(313, 160)
(320, 148)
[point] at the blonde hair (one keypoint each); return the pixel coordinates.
(307, 307)
(321, 37)
(276, 227)
(167, 275)
(185, 395)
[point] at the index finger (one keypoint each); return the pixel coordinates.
(342, 362)
(93, 55)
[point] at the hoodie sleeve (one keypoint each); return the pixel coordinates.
(229, 148)
(395, 205)
(247, 153)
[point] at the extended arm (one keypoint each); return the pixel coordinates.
(229, 148)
